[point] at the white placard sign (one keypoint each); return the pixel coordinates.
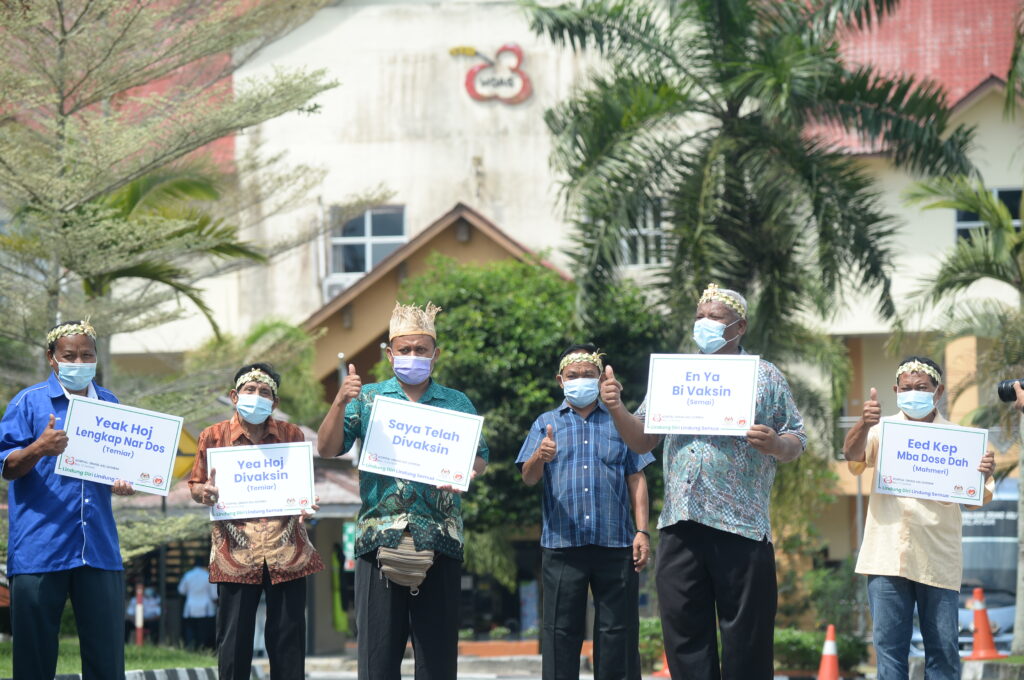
(937, 462)
(710, 394)
(268, 480)
(421, 443)
(108, 441)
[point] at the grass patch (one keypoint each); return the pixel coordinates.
(143, 658)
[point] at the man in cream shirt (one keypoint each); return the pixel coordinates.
(911, 552)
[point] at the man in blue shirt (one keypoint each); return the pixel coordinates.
(592, 482)
(63, 541)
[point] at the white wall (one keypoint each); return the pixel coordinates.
(925, 235)
(400, 118)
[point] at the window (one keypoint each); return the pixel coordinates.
(359, 244)
(650, 243)
(966, 222)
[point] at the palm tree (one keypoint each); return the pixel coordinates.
(171, 195)
(721, 117)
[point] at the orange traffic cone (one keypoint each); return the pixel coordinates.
(984, 645)
(829, 668)
(664, 672)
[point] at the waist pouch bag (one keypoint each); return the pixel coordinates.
(405, 565)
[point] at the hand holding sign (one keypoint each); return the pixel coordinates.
(52, 442)
(122, 488)
(611, 389)
(764, 439)
(209, 492)
(548, 449)
(988, 464)
(872, 409)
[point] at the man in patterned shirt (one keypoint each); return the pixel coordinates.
(591, 482)
(253, 557)
(392, 508)
(715, 559)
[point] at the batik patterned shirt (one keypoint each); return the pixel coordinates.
(390, 506)
(724, 482)
(240, 547)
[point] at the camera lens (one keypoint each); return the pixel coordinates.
(1005, 389)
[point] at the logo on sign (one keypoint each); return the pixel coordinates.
(291, 501)
(69, 460)
(887, 479)
(958, 488)
(501, 78)
(972, 491)
(158, 480)
(303, 501)
(144, 476)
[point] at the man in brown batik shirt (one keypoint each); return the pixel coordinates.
(249, 557)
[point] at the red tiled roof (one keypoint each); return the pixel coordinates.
(959, 45)
(956, 43)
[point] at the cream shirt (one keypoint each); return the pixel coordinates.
(909, 537)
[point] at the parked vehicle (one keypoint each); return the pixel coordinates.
(990, 563)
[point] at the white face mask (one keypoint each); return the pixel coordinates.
(253, 408)
(75, 376)
(916, 404)
(710, 335)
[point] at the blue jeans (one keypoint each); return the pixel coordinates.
(892, 600)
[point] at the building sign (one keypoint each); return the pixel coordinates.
(501, 78)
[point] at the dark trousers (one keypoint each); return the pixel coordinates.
(285, 632)
(704, 573)
(387, 613)
(566, 575)
(198, 631)
(37, 602)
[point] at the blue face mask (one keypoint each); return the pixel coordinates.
(253, 408)
(581, 391)
(710, 335)
(75, 377)
(916, 404)
(412, 370)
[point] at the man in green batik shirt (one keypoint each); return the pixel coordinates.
(392, 508)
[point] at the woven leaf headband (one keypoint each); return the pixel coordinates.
(73, 328)
(916, 366)
(257, 375)
(577, 357)
(715, 294)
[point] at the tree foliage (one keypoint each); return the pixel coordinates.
(717, 121)
(99, 97)
(193, 391)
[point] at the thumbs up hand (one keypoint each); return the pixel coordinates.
(52, 442)
(350, 387)
(872, 409)
(548, 449)
(611, 389)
